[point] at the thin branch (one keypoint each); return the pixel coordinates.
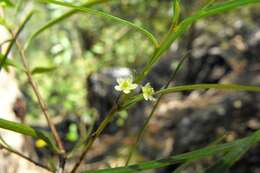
(44, 108)
(97, 133)
(42, 105)
(4, 142)
(94, 136)
(84, 139)
(24, 157)
(4, 42)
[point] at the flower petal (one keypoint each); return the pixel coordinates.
(120, 80)
(133, 86)
(152, 98)
(148, 92)
(118, 88)
(148, 85)
(126, 91)
(145, 96)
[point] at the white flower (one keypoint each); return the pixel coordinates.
(125, 85)
(148, 92)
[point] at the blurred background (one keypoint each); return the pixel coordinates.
(88, 53)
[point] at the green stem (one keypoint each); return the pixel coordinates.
(61, 18)
(94, 136)
(108, 16)
(234, 87)
(24, 157)
(142, 130)
(20, 29)
(209, 86)
(176, 32)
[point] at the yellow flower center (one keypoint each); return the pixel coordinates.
(125, 84)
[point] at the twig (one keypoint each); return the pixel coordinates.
(42, 105)
(24, 157)
(4, 42)
(44, 109)
(94, 136)
(3, 61)
(3, 142)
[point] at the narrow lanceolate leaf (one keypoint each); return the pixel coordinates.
(40, 70)
(177, 31)
(60, 19)
(208, 4)
(176, 12)
(187, 163)
(7, 3)
(7, 63)
(210, 86)
(232, 156)
(21, 27)
(194, 155)
(28, 131)
(108, 16)
(227, 161)
(234, 87)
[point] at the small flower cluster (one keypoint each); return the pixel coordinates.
(126, 85)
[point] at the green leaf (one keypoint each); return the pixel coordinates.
(177, 31)
(232, 156)
(28, 131)
(208, 4)
(194, 155)
(20, 29)
(176, 12)
(40, 70)
(7, 24)
(227, 161)
(8, 63)
(60, 19)
(7, 3)
(187, 163)
(108, 16)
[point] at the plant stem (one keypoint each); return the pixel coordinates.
(44, 109)
(42, 105)
(94, 136)
(24, 157)
(142, 130)
(82, 141)
(15, 36)
(62, 17)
